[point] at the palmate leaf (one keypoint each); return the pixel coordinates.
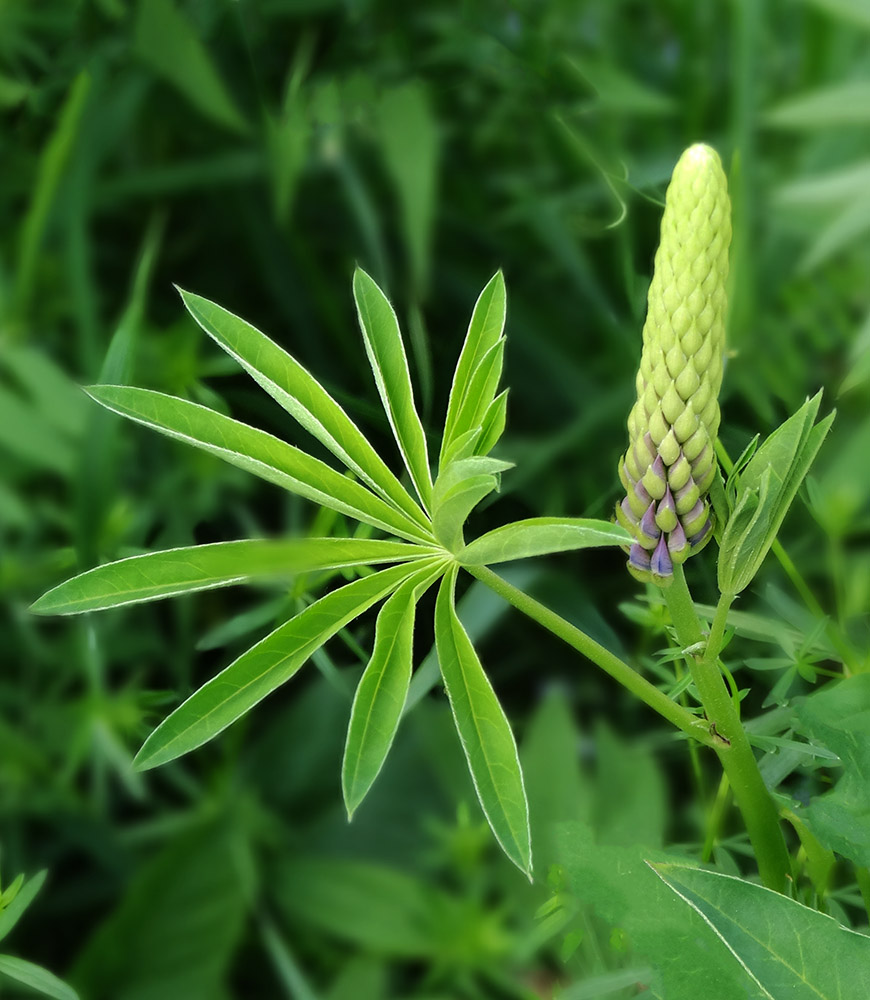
(266, 666)
(257, 452)
(785, 948)
(539, 536)
(386, 354)
(303, 397)
(484, 333)
(484, 732)
(156, 575)
(382, 691)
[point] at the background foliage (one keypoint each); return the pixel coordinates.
(254, 152)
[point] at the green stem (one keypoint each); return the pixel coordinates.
(609, 662)
(714, 821)
(732, 744)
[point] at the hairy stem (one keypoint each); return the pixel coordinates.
(731, 744)
(609, 662)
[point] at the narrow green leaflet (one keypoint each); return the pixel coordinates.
(787, 949)
(458, 489)
(484, 332)
(383, 689)
(264, 667)
(493, 424)
(538, 536)
(484, 732)
(481, 389)
(37, 978)
(156, 575)
(257, 452)
(302, 396)
(765, 491)
(386, 353)
(11, 914)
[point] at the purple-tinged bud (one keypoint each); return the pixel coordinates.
(661, 563)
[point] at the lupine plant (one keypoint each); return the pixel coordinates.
(411, 537)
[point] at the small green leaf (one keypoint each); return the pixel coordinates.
(156, 575)
(257, 452)
(36, 978)
(481, 389)
(484, 332)
(386, 353)
(166, 41)
(765, 491)
(11, 914)
(302, 396)
(382, 691)
(493, 423)
(785, 948)
(484, 732)
(539, 536)
(264, 667)
(458, 489)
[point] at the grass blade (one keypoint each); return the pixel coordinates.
(264, 667)
(257, 452)
(156, 575)
(484, 732)
(386, 353)
(484, 332)
(540, 536)
(302, 396)
(383, 689)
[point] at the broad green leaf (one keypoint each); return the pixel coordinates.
(684, 952)
(11, 914)
(766, 489)
(786, 948)
(386, 353)
(264, 667)
(539, 536)
(257, 452)
(484, 732)
(156, 575)
(37, 978)
(177, 923)
(838, 717)
(382, 691)
(302, 396)
(484, 332)
(839, 104)
(166, 41)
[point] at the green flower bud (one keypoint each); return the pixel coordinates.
(671, 462)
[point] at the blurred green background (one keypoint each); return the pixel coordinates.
(254, 152)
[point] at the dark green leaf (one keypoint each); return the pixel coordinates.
(11, 914)
(37, 978)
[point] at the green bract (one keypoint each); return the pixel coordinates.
(427, 545)
(670, 462)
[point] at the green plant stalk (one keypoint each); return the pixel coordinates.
(607, 661)
(731, 742)
(714, 820)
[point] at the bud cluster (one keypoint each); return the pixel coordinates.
(670, 462)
